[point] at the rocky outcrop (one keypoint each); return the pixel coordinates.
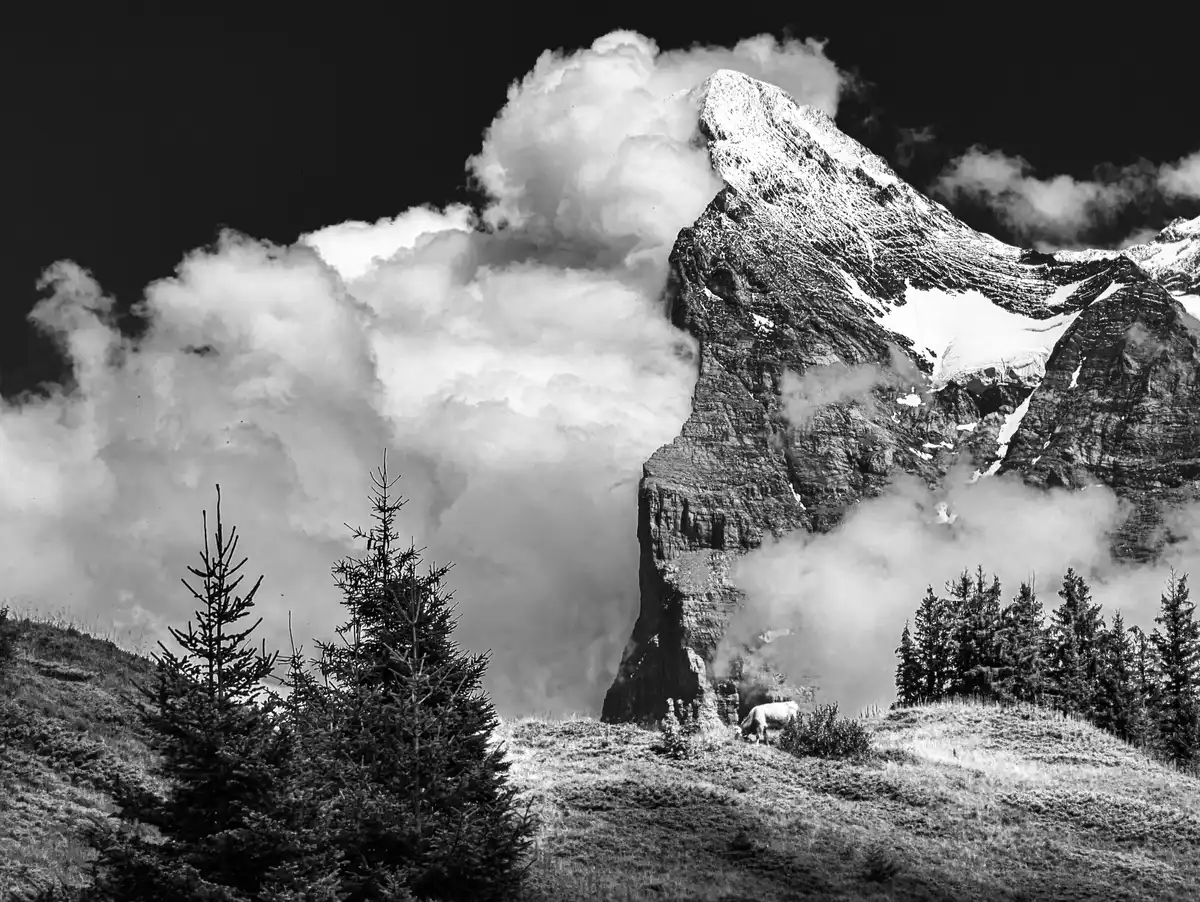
(1120, 404)
(825, 296)
(1172, 258)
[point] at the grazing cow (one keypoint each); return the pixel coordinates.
(772, 714)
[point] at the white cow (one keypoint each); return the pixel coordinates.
(772, 714)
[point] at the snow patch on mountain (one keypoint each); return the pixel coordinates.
(1191, 303)
(1086, 255)
(762, 323)
(1063, 293)
(1012, 422)
(964, 334)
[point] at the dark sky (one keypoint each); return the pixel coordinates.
(128, 142)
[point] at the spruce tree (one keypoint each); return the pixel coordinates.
(977, 608)
(1119, 707)
(910, 679)
(1177, 645)
(1021, 642)
(220, 754)
(401, 726)
(1148, 686)
(931, 627)
(1075, 647)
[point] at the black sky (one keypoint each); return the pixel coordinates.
(131, 140)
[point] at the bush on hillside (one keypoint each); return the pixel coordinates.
(8, 639)
(679, 732)
(822, 734)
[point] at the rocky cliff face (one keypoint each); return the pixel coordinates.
(849, 328)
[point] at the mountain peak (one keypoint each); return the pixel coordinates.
(750, 123)
(1180, 229)
(1172, 258)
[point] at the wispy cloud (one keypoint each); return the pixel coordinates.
(1058, 211)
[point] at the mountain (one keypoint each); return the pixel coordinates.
(849, 329)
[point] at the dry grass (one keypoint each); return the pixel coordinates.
(964, 802)
(67, 733)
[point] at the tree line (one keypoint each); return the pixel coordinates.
(1143, 688)
(371, 774)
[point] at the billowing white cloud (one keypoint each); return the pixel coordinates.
(1049, 212)
(518, 376)
(846, 594)
(1061, 211)
(354, 248)
(1181, 178)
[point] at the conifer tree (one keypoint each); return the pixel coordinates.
(1021, 642)
(402, 727)
(1147, 684)
(910, 679)
(1177, 644)
(1119, 707)
(977, 613)
(220, 754)
(1075, 646)
(931, 627)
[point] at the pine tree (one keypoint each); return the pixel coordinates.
(301, 824)
(1021, 642)
(220, 754)
(910, 679)
(931, 627)
(977, 608)
(1119, 708)
(1075, 647)
(1178, 652)
(401, 726)
(1147, 684)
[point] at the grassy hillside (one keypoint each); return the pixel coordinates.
(966, 802)
(67, 733)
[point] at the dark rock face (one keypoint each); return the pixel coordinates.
(1120, 404)
(797, 270)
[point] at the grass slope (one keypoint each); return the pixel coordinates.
(964, 802)
(67, 734)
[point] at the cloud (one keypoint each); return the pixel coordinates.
(1181, 178)
(802, 395)
(1049, 212)
(518, 373)
(847, 593)
(910, 143)
(589, 151)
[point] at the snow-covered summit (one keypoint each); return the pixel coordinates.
(744, 118)
(1172, 257)
(970, 306)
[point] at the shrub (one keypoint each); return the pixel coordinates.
(8, 639)
(823, 734)
(679, 734)
(881, 865)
